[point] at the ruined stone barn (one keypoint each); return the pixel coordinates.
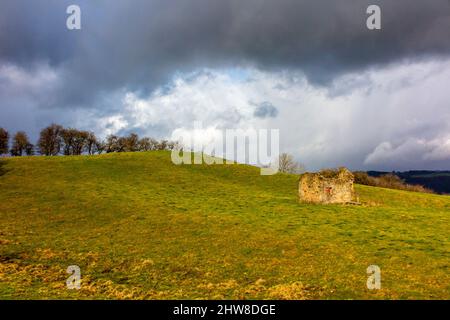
(327, 186)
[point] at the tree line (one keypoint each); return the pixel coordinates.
(389, 180)
(55, 140)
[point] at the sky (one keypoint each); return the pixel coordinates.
(340, 94)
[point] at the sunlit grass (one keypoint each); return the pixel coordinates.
(141, 227)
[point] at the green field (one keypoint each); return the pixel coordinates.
(140, 227)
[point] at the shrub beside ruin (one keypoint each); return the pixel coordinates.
(390, 181)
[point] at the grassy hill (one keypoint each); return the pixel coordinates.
(140, 227)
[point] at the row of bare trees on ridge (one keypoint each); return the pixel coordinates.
(55, 140)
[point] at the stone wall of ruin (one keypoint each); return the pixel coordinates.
(316, 188)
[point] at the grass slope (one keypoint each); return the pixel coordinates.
(141, 227)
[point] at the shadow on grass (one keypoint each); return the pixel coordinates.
(3, 170)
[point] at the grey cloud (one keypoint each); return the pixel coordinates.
(140, 44)
(411, 153)
(265, 109)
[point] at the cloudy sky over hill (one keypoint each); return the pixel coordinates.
(339, 93)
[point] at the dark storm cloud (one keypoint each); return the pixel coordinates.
(139, 44)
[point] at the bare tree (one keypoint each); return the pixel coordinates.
(79, 142)
(131, 143)
(111, 144)
(163, 145)
(145, 144)
(50, 140)
(287, 164)
(4, 141)
(100, 146)
(121, 144)
(29, 149)
(174, 145)
(67, 137)
(153, 144)
(91, 142)
(74, 141)
(21, 145)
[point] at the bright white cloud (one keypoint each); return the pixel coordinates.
(112, 124)
(34, 82)
(393, 118)
(378, 119)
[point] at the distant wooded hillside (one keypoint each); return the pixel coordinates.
(438, 181)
